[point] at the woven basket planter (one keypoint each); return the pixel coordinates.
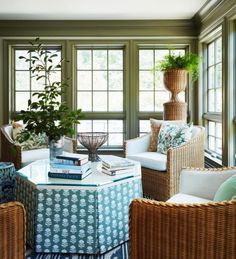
(175, 81)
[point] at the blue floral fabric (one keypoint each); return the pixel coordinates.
(173, 135)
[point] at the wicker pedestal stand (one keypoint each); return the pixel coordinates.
(175, 81)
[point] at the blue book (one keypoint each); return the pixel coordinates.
(69, 175)
(73, 159)
(71, 168)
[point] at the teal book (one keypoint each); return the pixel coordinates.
(60, 167)
(72, 176)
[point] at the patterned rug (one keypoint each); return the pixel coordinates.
(119, 252)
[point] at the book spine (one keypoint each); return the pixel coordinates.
(65, 176)
(72, 167)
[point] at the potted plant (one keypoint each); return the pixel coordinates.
(48, 114)
(176, 69)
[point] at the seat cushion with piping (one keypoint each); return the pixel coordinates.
(30, 156)
(151, 160)
(182, 198)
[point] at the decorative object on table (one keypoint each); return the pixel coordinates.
(48, 114)
(176, 69)
(92, 141)
(60, 168)
(112, 165)
(72, 159)
(7, 181)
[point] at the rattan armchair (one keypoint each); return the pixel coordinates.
(12, 231)
(12, 152)
(167, 230)
(161, 185)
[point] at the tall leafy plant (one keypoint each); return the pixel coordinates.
(48, 113)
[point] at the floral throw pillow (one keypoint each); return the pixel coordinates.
(172, 135)
(32, 141)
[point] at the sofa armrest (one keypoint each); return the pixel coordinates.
(204, 182)
(137, 145)
(165, 230)
(70, 145)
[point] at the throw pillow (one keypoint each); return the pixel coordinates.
(227, 190)
(173, 135)
(33, 141)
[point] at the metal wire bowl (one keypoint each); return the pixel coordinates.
(92, 141)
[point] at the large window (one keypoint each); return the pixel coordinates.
(152, 92)
(100, 91)
(213, 90)
(24, 83)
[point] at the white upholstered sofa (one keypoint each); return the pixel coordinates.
(12, 152)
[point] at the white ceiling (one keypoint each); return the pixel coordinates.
(98, 9)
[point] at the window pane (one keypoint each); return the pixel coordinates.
(100, 59)
(218, 76)
(84, 80)
(20, 63)
(115, 80)
(22, 80)
(100, 126)
(211, 78)
(160, 54)
(211, 128)
(21, 100)
(115, 126)
(160, 98)
(146, 80)
(211, 100)
(219, 130)
(218, 146)
(99, 80)
(146, 101)
(218, 100)
(84, 59)
(38, 84)
(115, 139)
(219, 50)
(182, 96)
(211, 54)
(144, 126)
(115, 101)
(84, 101)
(159, 82)
(99, 101)
(146, 59)
(84, 126)
(115, 59)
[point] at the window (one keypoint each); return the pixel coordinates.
(152, 92)
(213, 92)
(24, 83)
(100, 91)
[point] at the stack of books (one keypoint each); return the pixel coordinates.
(70, 166)
(112, 165)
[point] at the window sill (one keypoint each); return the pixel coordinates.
(212, 161)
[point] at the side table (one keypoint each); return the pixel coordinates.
(7, 181)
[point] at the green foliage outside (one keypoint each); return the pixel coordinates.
(48, 114)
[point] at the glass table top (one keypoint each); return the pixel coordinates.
(37, 173)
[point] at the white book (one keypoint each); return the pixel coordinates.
(116, 162)
(117, 172)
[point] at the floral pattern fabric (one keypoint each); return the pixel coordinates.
(172, 135)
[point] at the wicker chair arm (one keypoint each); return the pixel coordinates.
(189, 154)
(10, 151)
(136, 145)
(12, 230)
(165, 230)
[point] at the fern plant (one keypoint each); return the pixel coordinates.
(48, 114)
(189, 62)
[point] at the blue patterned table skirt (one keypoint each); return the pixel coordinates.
(85, 221)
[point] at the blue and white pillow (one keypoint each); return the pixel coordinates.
(173, 135)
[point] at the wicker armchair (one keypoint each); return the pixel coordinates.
(162, 184)
(182, 231)
(12, 231)
(11, 152)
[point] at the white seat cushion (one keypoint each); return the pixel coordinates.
(30, 156)
(186, 198)
(151, 160)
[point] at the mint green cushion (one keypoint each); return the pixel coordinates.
(227, 190)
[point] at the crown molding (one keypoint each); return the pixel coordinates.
(98, 28)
